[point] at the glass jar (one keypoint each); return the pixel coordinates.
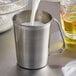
(7, 9)
(68, 22)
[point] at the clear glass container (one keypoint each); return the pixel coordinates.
(68, 21)
(68, 17)
(7, 9)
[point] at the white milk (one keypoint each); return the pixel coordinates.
(36, 23)
(35, 4)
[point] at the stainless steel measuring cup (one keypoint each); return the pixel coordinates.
(32, 42)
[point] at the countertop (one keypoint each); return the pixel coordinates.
(8, 61)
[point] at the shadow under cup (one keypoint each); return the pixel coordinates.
(32, 41)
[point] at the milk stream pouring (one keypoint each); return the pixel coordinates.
(35, 4)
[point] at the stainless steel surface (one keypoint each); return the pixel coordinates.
(32, 41)
(8, 55)
(61, 49)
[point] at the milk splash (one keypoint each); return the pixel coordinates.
(35, 4)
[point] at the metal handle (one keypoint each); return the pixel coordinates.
(63, 47)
